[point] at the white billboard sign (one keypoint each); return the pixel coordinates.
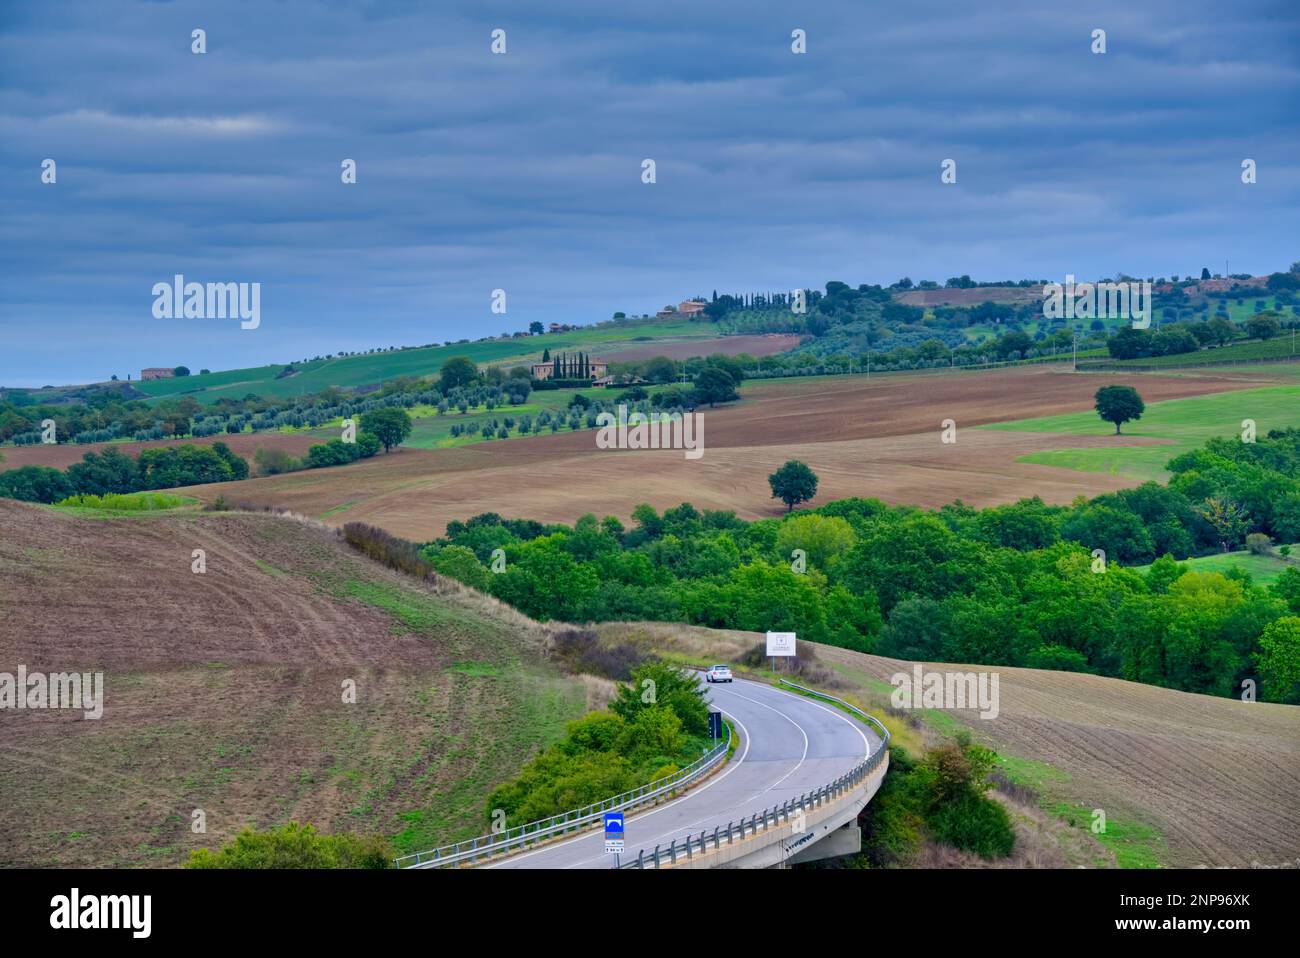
(780, 643)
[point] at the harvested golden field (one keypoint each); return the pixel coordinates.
(1216, 779)
(224, 692)
(877, 437)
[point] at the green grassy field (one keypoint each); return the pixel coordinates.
(377, 367)
(1264, 570)
(1186, 423)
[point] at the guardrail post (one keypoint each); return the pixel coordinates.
(717, 842)
(729, 838)
(672, 851)
(640, 859)
(656, 856)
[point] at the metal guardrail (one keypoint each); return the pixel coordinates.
(492, 845)
(777, 814)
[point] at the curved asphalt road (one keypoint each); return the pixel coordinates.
(789, 745)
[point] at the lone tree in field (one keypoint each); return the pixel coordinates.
(793, 483)
(389, 425)
(1119, 404)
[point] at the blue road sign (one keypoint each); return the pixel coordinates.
(613, 832)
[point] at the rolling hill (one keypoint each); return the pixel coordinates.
(608, 339)
(225, 690)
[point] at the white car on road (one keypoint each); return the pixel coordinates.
(717, 673)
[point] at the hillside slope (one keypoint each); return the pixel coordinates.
(1200, 781)
(224, 690)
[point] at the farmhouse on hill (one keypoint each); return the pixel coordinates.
(691, 309)
(572, 366)
(157, 372)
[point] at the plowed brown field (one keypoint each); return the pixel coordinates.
(863, 438)
(223, 690)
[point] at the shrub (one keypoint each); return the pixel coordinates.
(974, 823)
(296, 846)
(802, 666)
(1259, 544)
(1059, 658)
(126, 502)
(272, 461)
(336, 452)
(580, 651)
(387, 548)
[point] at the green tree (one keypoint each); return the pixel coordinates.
(793, 483)
(35, 484)
(1222, 331)
(181, 371)
(1227, 519)
(714, 385)
(1279, 660)
(660, 369)
(462, 565)
(661, 684)
(823, 538)
(1263, 326)
(390, 425)
(1119, 404)
(107, 471)
(457, 371)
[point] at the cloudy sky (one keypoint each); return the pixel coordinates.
(522, 171)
